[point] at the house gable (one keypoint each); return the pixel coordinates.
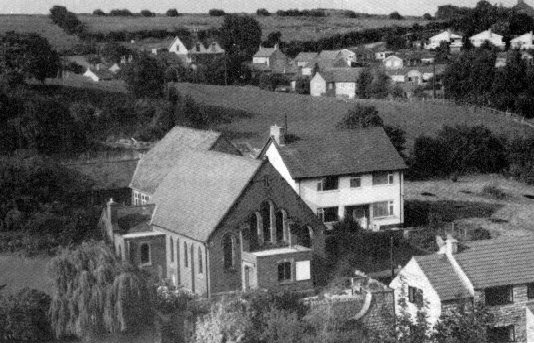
(178, 47)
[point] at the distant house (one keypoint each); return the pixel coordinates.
(453, 40)
(497, 272)
(523, 42)
(216, 223)
(338, 82)
(272, 60)
(393, 62)
(417, 75)
(351, 173)
(98, 75)
(381, 55)
(487, 36)
(502, 58)
(303, 58)
(115, 68)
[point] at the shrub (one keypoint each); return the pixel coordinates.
(120, 13)
(271, 81)
(302, 85)
(360, 116)
(147, 13)
(263, 12)
(24, 317)
(74, 67)
(427, 16)
(351, 14)
(214, 12)
(395, 16)
(172, 12)
(99, 12)
(494, 191)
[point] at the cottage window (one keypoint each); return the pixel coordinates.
(415, 295)
(530, 290)
(136, 198)
(200, 265)
(144, 252)
(328, 214)
(284, 271)
(280, 236)
(254, 233)
(355, 182)
(501, 295)
(383, 178)
(186, 261)
(501, 334)
(265, 211)
(328, 183)
(171, 249)
(383, 209)
(229, 251)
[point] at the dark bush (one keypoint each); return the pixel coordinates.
(99, 12)
(172, 12)
(395, 16)
(351, 14)
(302, 85)
(120, 13)
(147, 13)
(263, 12)
(494, 191)
(271, 81)
(360, 117)
(214, 12)
(75, 68)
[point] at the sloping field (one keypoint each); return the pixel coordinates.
(39, 24)
(309, 114)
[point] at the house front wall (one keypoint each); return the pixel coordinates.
(260, 60)
(366, 194)
(317, 85)
(412, 275)
(266, 185)
(130, 249)
(346, 89)
(178, 48)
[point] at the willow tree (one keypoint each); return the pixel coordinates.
(95, 294)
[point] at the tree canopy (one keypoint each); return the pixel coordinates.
(240, 35)
(145, 77)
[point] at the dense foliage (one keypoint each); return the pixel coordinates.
(263, 12)
(214, 12)
(68, 21)
(172, 12)
(304, 13)
(144, 77)
(120, 13)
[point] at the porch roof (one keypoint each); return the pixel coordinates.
(281, 251)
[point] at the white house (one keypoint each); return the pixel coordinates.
(393, 62)
(496, 272)
(178, 47)
(454, 40)
(487, 36)
(523, 42)
(380, 55)
(354, 173)
(338, 82)
(98, 74)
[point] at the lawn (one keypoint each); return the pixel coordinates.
(17, 272)
(307, 114)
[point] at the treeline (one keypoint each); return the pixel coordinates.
(304, 13)
(66, 20)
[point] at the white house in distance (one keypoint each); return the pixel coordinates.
(339, 82)
(496, 272)
(99, 74)
(393, 62)
(487, 36)
(523, 42)
(454, 40)
(354, 173)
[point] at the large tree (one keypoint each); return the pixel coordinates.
(145, 77)
(27, 55)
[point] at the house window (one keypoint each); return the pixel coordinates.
(171, 249)
(530, 290)
(200, 265)
(499, 295)
(284, 271)
(328, 183)
(266, 219)
(144, 252)
(383, 209)
(229, 252)
(136, 198)
(186, 261)
(383, 178)
(501, 334)
(415, 295)
(355, 182)
(328, 214)
(144, 199)
(280, 226)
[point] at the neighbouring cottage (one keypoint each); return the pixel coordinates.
(272, 60)
(523, 42)
(330, 59)
(338, 82)
(497, 272)
(354, 173)
(393, 63)
(303, 58)
(215, 222)
(453, 40)
(197, 52)
(99, 74)
(487, 36)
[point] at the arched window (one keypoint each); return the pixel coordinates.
(200, 265)
(229, 251)
(145, 253)
(186, 262)
(171, 249)
(254, 234)
(280, 223)
(265, 211)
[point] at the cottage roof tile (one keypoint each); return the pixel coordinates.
(440, 272)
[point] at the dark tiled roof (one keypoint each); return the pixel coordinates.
(134, 219)
(341, 153)
(499, 262)
(198, 192)
(265, 52)
(157, 163)
(106, 175)
(305, 56)
(442, 276)
(341, 74)
(328, 54)
(103, 74)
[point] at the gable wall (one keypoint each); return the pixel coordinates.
(317, 85)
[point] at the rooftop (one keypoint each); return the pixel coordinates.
(341, 74)
(281, 251)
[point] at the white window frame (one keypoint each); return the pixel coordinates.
(136, 198)
(321, 214)
(390, 209)
(359, 178)
(149, 263)
(291, 273)
(144, 199)
(320, 185)
(389, 181)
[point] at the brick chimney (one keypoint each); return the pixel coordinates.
(279, 134)
(448, 247)
(111, 207)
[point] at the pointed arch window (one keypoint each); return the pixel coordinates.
(265, 210)
(229, 253)
(280, 226)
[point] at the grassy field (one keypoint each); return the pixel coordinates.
(292, 28)
(309, 114)
(465, 203)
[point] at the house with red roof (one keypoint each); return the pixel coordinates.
(497, 272)
(214, 222)
(348, 173)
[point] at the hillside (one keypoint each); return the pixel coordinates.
(305, 113)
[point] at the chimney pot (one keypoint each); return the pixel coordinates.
(279, 134)
(451, 245)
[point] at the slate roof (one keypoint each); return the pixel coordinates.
(341, 153)
(499, 262)
(341, 74)
(328, 54)
(305, 57)
(442, 276)
(164, 156)
(198, 192)
(265, 52)
(107, 175)
(103, 74)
